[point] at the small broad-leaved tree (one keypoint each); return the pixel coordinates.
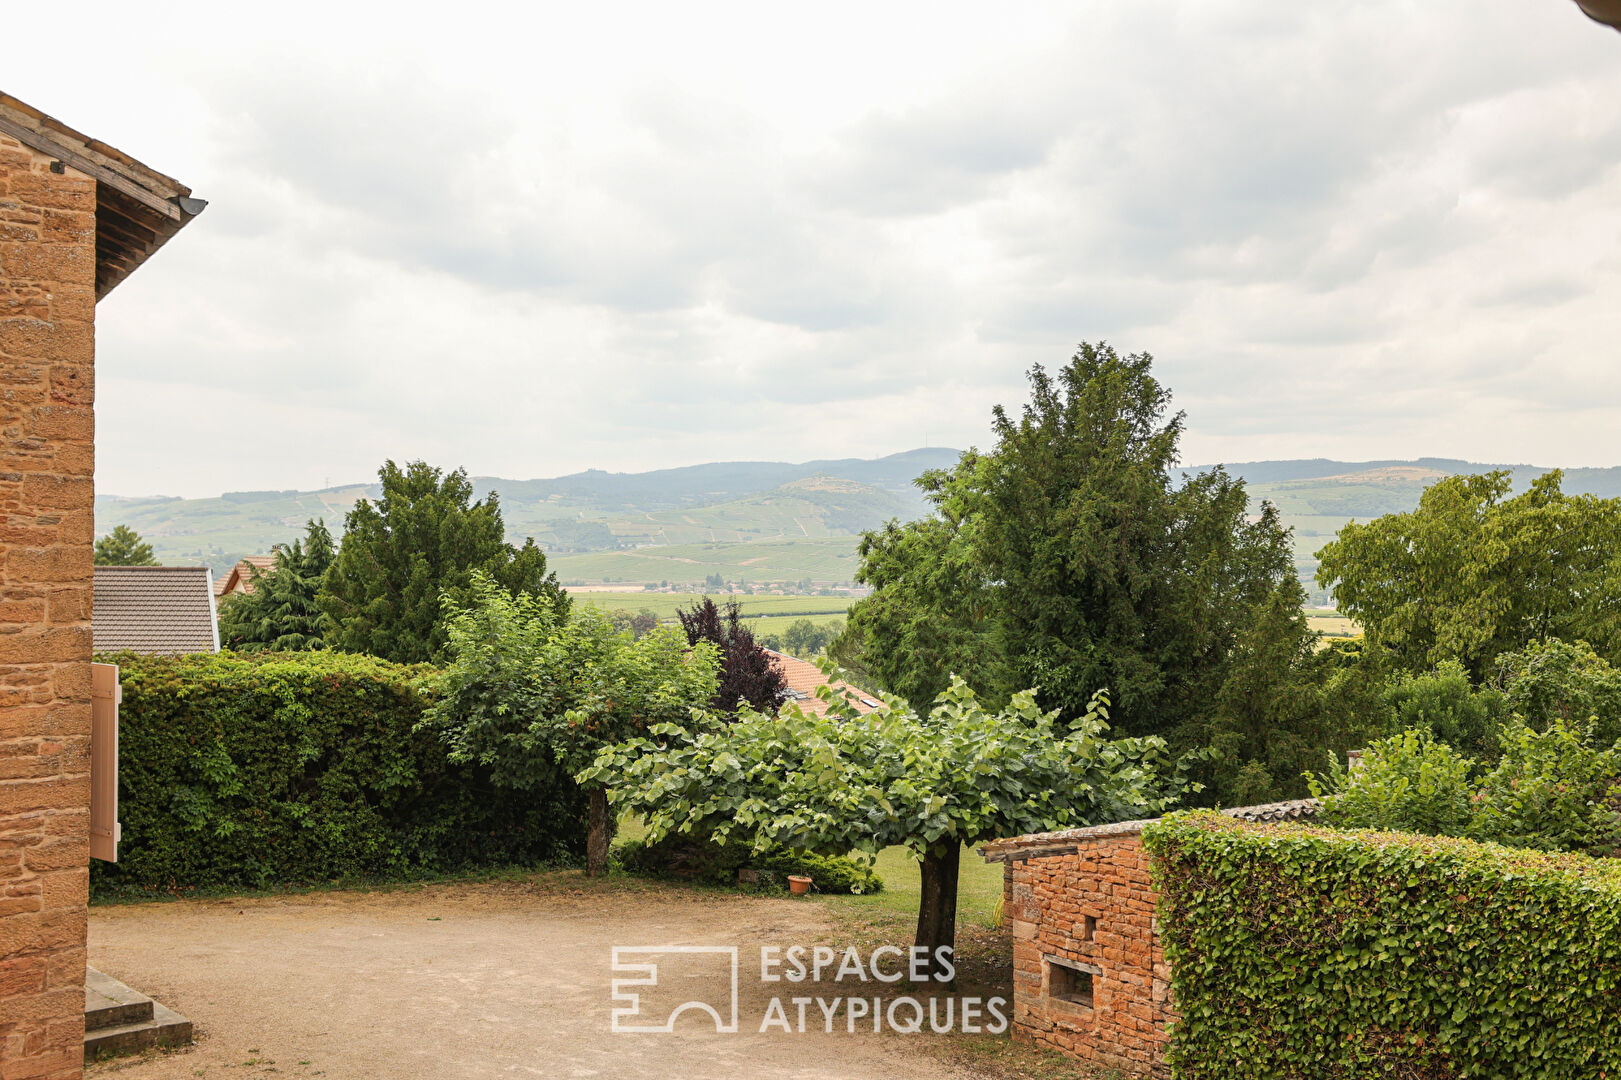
(847, 782)
(534, 694)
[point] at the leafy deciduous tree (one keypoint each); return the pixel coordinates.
(529, 692)
(1473, 573)
(848, 782)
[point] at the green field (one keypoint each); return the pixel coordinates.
(1331, 623)
(764, 614)
(825, 560)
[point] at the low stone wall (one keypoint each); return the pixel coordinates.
(1089, 975)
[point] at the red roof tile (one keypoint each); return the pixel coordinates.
(804, 677)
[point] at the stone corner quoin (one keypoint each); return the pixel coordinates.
(47, 488)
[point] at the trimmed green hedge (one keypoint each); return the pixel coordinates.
(304, 768)
(1308, 953)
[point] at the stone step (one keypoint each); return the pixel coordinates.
(109, 1003)
(119, 1020)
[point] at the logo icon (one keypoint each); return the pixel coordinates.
(687, 962)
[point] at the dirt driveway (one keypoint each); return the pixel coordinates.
(500, 979)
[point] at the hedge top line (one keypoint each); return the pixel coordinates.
(1587, 871)
(1065, 842)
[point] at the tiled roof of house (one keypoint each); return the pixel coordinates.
(804, 677)
(1039, 845)
(240, 577)
(154, 609)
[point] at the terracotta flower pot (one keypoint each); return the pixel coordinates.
(798, 884)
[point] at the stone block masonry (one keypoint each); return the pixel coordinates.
(47, 457)
(1089, 974)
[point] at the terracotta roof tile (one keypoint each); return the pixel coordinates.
(153, 609)
(240, 577)
(803, 677)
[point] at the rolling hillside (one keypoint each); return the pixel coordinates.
(759, 521)
(765, 521)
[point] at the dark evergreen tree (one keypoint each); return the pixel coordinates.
(124, 547)
(747, 673)
(410, 555)
(1070, 558)
(280, 614)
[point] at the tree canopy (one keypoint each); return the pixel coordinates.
(847, 782)
(531, 693)
(1068, 557)
(419, 542)
(1473, 573)
(280, 613)
(746, 670)
(124, 547)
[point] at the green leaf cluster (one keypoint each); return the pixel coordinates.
(718, 864)
(1320, 955)
(124, 547)
(1070, 555)
(420, 541)
(249, 771)
(280, 614)
(1473, 573)
(845, 781)
(533, 695)
(1553, 789)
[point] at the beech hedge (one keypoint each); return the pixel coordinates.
(306, 768)
(1305, 953)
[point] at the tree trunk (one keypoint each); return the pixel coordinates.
(597, 833)
(937, 908)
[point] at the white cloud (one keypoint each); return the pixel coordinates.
(531, 239)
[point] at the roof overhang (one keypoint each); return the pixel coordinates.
(137, 208)
(1607, 12)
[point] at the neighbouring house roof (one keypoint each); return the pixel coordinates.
(804, 677)
(137, 208)
(154, 609)
(239, 579)
(1040, 845)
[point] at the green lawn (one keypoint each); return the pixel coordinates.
(979, 888)
(979, 884)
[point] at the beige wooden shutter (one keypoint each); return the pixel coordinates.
(105, 694)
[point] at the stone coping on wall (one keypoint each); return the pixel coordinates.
(1041, 845)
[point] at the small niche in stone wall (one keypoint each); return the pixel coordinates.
(1070, 980)
(1088, 928)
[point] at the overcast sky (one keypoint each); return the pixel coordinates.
(536, 238)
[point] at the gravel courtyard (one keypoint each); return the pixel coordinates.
(491, 979)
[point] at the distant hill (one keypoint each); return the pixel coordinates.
(762, 521)
(817, 508)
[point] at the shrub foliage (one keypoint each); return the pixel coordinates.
(249, 771)
(718, 864)
(1307, 953)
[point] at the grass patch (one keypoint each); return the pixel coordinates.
(979, 890)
